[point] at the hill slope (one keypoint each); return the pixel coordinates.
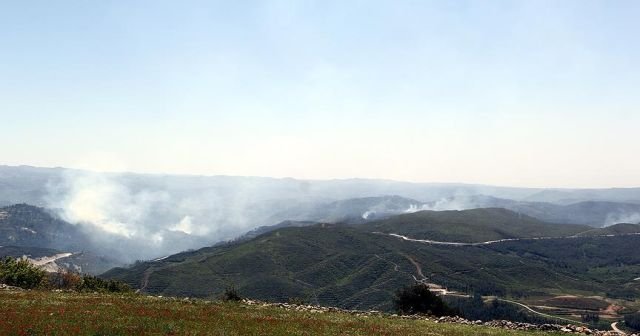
(475, 225)
(617, 229)
(26, 225)
(349, 267)
(353, 210)
(33, 232)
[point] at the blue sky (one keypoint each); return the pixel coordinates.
(525, 93)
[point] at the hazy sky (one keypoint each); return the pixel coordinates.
(524, 93)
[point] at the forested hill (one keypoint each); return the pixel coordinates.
(347, 266)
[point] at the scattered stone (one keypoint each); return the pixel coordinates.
(503, 324)
(10, 288)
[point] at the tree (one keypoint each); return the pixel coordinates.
(418, 299)
(21, 273)
(231, 294)
(95, 284)
(592, 318)
(632, 321)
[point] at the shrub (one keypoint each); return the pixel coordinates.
(21, 273)
(231, 294)
(65, 279)
(589, 317)
(94, 284)
(418, 299)
(632, 321)
(296, 301)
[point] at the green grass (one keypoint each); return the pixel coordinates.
(64, 313)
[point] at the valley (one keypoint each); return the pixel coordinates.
(352, 168)
(356, 253)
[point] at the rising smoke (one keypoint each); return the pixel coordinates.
(147, 216)
(138, 223)
(616, 218)
(140, 216)
(96, 199)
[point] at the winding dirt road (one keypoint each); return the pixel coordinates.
(49, 263)
(614, 327)
(539, 313)
(47, 260)
(490, 242)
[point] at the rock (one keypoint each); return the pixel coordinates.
(503, 324)
(10, 288)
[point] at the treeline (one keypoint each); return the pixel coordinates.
(21, 273)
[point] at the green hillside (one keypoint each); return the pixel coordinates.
(616, 229)
(475, 225)
(348, 267)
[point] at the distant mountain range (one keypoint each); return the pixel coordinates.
(26, 184)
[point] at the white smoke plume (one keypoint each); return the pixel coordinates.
(96, 199)
(146, 216)
(124, 222)
(617, 218)
(446, 203)
(185, 225)
(367, 214)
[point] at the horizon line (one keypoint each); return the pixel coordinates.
(388, 180)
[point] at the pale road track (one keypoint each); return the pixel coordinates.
(614, 327)
(539, 313)
(491, 242)
(46, 260)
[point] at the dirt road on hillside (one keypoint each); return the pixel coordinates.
(490, 242)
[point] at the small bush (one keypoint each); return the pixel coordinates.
(296, 301)
(94, 284)
(231, 294)
(21, 273)
(632, 321)
(65, 279)
(588, 317)
(418, 299)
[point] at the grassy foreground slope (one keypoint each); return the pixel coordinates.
(51, 313)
